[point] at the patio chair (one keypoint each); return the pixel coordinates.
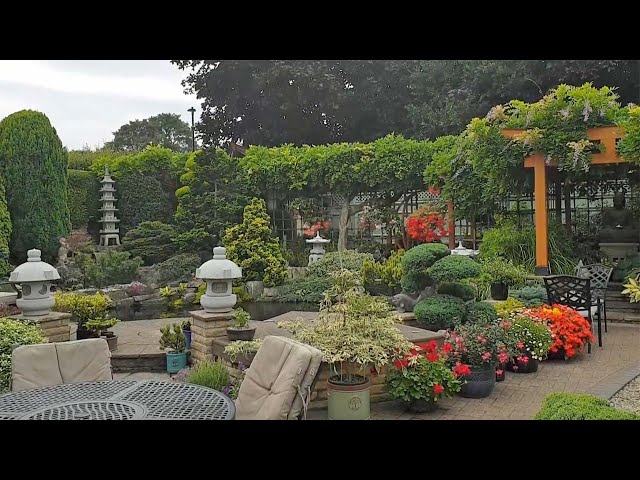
(599, 275)
(575, 293)
(47, 364)
(278, 384)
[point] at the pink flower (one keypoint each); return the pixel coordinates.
(503, 357)
(499, 372)
(520, 345)
(481, 339)
(486, 356)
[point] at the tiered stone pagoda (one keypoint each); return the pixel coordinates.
(110, 233)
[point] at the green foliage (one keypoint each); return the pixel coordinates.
(111, 267)
(99, 325)
(83, 307)
(14, 332)
(629, 146)
(504, 271)
(33, 165)
(241, 294)
(627, 268)
(531, 295)
(179, 268)
(173, 338)
(528, 335)
(252, 246)
(460, 290)
(439, 312)
(241, 318)
(416, 262)
(166, 130)
(454, 268)
(504, 308)
(197, 241)
(208, 373)
(304, 290)
(153, 242)
(83, 190)
(242, 348)
(481, 313)
(578, 406)
(5, 233)
(335, 261)
(388, 273)
(632, 288)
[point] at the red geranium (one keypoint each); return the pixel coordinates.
(438, 389)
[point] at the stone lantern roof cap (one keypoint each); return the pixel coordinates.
(219, 267)
(34, 270)
(318, 239)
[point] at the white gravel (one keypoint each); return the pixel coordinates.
(629, 397)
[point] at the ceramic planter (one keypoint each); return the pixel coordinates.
(349, 401)
(187, 335)
(529, 366)
(559, 355)
(241, 333)
(112, 340)
(176, 361)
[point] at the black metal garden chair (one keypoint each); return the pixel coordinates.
(599, 275)
(576, 293)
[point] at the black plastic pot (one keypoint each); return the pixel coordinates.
(241, 333)
(422, 405)
(530, 366)
(83, 333)
(502, 369)
(480, 382)
(559, 355)
(499, 291)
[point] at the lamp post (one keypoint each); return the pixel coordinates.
(193, 129)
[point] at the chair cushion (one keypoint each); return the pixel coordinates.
(271, 382)
(307, 381)
(585, 313)
(34, 366)
(84, 360)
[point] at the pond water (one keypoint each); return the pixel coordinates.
(258, 310)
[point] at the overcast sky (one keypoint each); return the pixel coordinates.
(87, 100)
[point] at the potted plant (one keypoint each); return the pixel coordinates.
(100, 326)
(503, 274)
(83, 308)
(242, 352)
(172, 337)
(356, 333)
(529, 338)
(482, 347)
(570, 330)
(186, 329)
(422, 377)
(240, 328)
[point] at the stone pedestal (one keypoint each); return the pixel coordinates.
(616, 252)
(54, 325)
(206, 327)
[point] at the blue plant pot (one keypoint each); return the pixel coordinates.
(176, 361)
(187, 334)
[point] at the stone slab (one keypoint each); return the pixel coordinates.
(8, 298)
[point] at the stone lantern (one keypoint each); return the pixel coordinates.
(317, 249)
(462, 250)
(219, 274)
(35, 278)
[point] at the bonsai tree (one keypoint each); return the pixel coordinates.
(253, 248)
(172, 337)
(99, 326)
(239, 329)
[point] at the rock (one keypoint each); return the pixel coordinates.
(255, 288)
(149, 276)
(189, 298)
(272, 291)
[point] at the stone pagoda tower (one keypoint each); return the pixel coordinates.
(110, 233)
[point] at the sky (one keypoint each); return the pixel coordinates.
(87, 100)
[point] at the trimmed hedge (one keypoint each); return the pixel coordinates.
(334, 261)
(460, 290)
(440, 312)
(577, 406)
(179, 268)
(11, 332)
(5, 233)
(454, 268)
(531, 295)
(153, 242)
(84, 197)
(415, 263)
(305, 289)
(481, 312)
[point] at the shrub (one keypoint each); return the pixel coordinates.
(152, 241)
(531, 295)
(12, 332)
(500, 270)
(481, 313)
(83, 189)
(526, 334)
(460, 290)
(626, 268)
(195, 241)
(304, 290)
(208, 373)
(33, 165)
(454, 268)
(252, 246)
(439, 312)
(179, 268)
(5, 232)
(415, 264)
(388, 273)
(334, 261)
(578, 406)
(83, 307)
(111, 267)
(503, 309)
(242, 348)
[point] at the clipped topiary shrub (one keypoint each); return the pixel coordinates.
(481, 313)
(306, 289)
(577, 406)
(334, 261)
(531, 295)
(12, 332)
(179, 268)
(454, 268)
(416, 262)
(152, 241)
(84, 195)
(460, 290)
(33, 165)
(252, 246)
(439, 312)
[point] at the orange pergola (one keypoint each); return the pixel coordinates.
(607, 137)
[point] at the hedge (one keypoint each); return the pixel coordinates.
(439, 312)
(5, 232)
(577, 406)
(84, 196)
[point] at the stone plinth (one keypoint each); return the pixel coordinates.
(54, 325)
(206, 327)
(616, 252)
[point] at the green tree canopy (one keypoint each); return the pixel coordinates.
(164, 130)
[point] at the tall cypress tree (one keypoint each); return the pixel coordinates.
(33, 165)
(5, 232)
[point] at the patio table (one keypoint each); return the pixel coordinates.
(118, 400)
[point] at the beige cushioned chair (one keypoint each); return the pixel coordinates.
(277, 385)
(46, 364)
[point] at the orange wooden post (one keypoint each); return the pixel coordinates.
(540, 192)
(452, 225)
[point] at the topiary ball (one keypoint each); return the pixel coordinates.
(454, 268)
(439, 312)
(415, 263)
(460, 290)
(481, 313)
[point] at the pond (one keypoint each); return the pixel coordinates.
(258, 310)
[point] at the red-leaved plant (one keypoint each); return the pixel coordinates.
(426, 225)
(317, 227)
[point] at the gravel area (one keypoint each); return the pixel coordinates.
(629, 397)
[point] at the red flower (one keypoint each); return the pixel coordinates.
(460, 370)
(401, 363)
(447, 347)
(433, 190)
(520, 345)
(503, 357)
(433, 357)
(486, 356)
(438, 389)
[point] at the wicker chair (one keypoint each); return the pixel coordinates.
(599, 275)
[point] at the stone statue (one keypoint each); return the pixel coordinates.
(405, 302)
(618, 223)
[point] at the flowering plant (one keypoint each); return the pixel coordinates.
(424, 374)
(135, 288)
(570, 330)
(316, 227)
(426, 225)
(478, 344)
(527, 334)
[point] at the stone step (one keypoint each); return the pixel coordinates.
(623, 316)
